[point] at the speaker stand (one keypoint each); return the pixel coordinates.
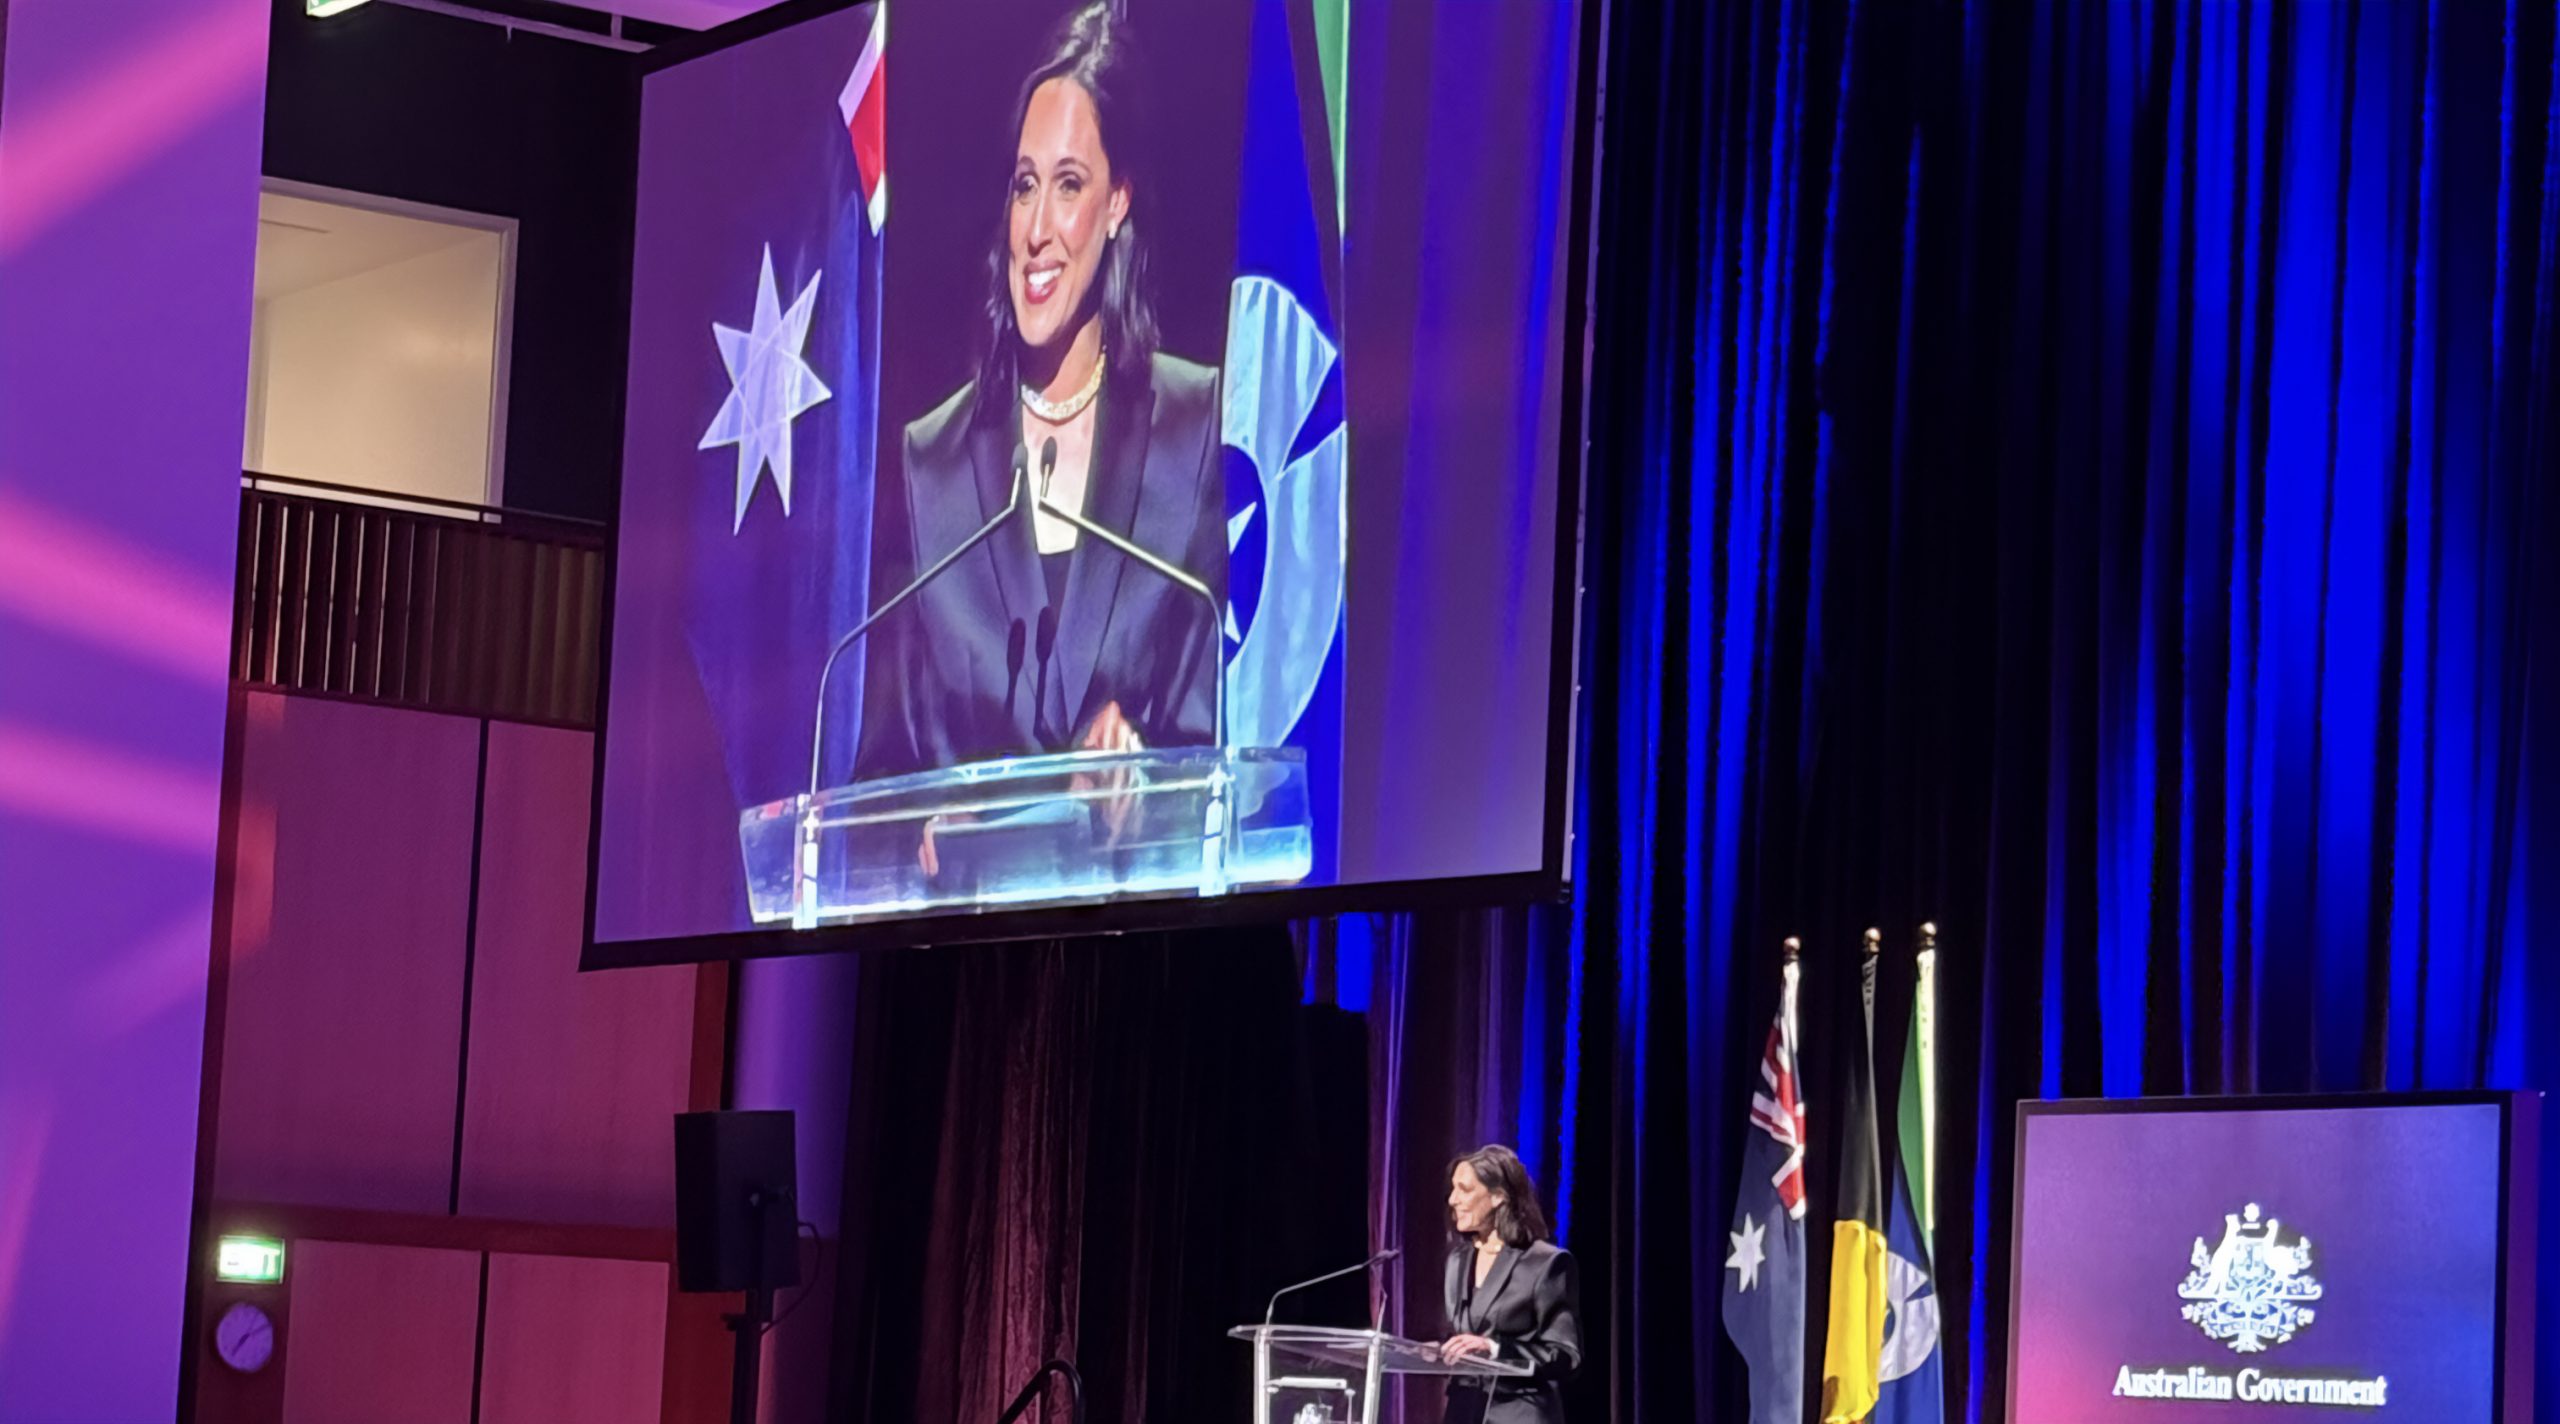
(749, 1326)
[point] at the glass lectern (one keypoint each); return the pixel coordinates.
(1317, 1374)
(1032, 830)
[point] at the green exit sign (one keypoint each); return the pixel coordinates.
(255, 1260)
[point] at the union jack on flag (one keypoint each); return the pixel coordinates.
(865, 106)
(1776, 1110)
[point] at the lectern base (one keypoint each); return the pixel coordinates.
(1063, 828)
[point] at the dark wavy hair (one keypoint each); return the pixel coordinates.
(1093, 47)
(1517, 1218)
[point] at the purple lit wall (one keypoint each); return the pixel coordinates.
(795, 1027)
(129, 142)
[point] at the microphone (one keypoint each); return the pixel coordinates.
(1012, 507)
(1164, 567)
(1379, 1259)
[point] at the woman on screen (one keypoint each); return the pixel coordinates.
(1510, 1293)
(1046, 638)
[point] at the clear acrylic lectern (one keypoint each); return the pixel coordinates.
(1056, 828)
(1301, 1371)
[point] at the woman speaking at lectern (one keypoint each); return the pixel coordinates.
(1510, 1293)
(1044, 638)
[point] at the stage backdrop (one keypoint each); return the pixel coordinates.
(2082, 474)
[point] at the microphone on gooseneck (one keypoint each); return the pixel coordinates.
(1379, 1259)
(1022, 499)
(1046, 641)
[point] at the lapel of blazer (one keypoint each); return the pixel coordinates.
(1116, 477)
(1495, 1281)
(1451, 1286)
(1015, 559)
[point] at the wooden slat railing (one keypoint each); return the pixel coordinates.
(417, 602)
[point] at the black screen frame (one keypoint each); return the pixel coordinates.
(1550, 882)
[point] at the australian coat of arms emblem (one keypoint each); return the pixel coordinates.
(2254, 1290)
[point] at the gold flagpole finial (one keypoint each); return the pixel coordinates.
(1791, 949)
(1875, 942)
(1929, 937)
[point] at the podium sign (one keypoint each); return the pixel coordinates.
(1312, 1366)
(1050, 829)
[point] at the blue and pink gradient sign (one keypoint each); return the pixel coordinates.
(2257, 1263)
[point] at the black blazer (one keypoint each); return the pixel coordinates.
(980, 664)
(1531, 1308)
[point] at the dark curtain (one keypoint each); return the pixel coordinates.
(2082, 474)
(1105, 1150)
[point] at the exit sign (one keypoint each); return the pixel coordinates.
(253, 1260)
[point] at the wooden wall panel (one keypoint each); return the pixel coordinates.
(573, 1341)
(380, 1334)
(574, 1078)
(343, 1012)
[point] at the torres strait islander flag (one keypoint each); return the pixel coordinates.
(1912, 1373)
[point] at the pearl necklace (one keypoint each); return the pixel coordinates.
(1060, 412)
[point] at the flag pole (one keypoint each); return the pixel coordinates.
(1924, 1025)
(1854, 1336)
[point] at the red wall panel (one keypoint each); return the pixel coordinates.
(380, 1334)
(573, 1341)
(343, 1013)
(574, 1078)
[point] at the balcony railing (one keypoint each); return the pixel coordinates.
(418, 602)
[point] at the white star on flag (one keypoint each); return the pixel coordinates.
(1748, 1252)
(768, 385)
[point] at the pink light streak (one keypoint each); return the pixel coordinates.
(161, 972)
(25, 1127)
(59, 155)
(67, 577)
(83, 784)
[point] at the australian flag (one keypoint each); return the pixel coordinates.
(781, 528)
(1764, 1268)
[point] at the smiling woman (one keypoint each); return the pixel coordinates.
(1510, 1294)
(1045, 646)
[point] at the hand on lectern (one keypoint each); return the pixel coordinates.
(1111, 731)
(1459, 1347)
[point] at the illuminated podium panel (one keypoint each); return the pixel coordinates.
(1060, 828)
(1316, 1374)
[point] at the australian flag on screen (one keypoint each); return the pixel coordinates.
(1764, 1266)
(781, 528)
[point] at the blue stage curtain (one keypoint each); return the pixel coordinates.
(2083, 474)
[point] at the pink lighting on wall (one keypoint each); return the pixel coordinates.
(65, 149)
(25, 1124)
(86, 583)
(79, 783)
(130, 140)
